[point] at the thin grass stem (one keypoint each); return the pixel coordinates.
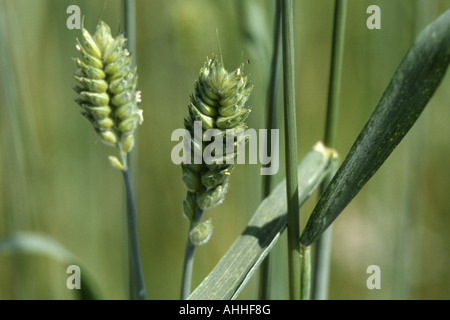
(271, 123)
(187, 269)
(322, 266)
(272, 92)
(323, 244)
(188, 264)
(137, 286)
(129, 21)
(293, 225)
(306, 273)
(334, 85)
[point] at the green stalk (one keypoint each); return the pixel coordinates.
(271, 123)
(188, 264)
(323, 245)
(293, 224)
(137, 287)
(129, 21)
(187, 268)
(306, 273)
(334, 87)
(322, 256)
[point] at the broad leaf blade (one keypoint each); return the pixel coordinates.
(407, 94)
(236, 267)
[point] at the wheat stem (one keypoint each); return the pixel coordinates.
(271, 123)
(187, 268)
(306, 273)
(188, 264)
(291, 148)
(323, 245)
(137, 287)
(129, 19)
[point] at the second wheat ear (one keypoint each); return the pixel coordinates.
(219, 103)
(108, 89)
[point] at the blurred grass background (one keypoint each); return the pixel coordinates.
(56, 179)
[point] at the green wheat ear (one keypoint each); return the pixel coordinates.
(219, 103)
(107, 88)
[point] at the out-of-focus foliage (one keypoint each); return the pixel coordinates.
(56, 179)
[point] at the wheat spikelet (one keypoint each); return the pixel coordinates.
(201, 233)
(107, 88)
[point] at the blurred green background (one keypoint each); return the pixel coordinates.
(56, 179)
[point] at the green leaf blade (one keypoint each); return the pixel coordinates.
(405, 97)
